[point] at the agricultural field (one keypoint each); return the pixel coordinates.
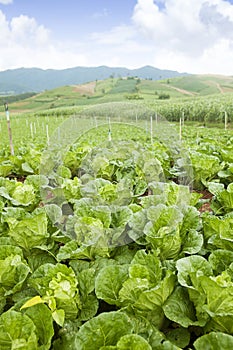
(116, 221)
(189, 94)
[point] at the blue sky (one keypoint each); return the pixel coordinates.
(194, 36)
(67, 18)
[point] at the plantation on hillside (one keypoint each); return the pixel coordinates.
(201, 99)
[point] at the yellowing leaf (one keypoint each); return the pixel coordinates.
(59, 316)
(33, 301)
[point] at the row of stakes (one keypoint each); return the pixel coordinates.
(33, 127)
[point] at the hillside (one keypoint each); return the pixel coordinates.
(17, 81)
(204, 84)
(119, 89)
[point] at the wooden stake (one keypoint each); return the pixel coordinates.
(47, 133)
(225, 120)
(180, 128)
(58, 134)
(31, 128)
(151, 129)
(9, 128)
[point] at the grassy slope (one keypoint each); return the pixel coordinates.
(204, 84)
(115, 89)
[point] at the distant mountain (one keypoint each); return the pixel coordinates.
(21, 80)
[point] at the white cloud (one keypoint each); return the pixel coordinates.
(187, 31)
(189, 27)
(6, 2)
(192, 36)
(26, 31)
(28, 44)
(23, 31)
(4, 30)
(25, 43)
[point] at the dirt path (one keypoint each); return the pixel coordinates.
(219, 88)
(182, 91)
(88, 89)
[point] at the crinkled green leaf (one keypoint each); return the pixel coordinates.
(30, 231)
(137, 223)
(42, 319)
(109, 282)
(86, 281)
(219, 297)
(133, 342)
(23, 195)
(220, 324)
(193, 242)
(190, 268)
(220, 260)
(54, 213)
(214, 341)
(167, 345)
(179, 308)
(150, 264)
(132, 289)
(124, 254)
(84, 207)
(151, 298)
(17, 331)
(104, 329)
(39, 257)
(120, 216)
(161, 216)
(67, 335)
(5, 168)
(191, 220)
(179, 337)
(166, 239)
(205, 167)
(171, 193)
(13, 269)
(57, 284)
(90, 305)
(59, 316)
